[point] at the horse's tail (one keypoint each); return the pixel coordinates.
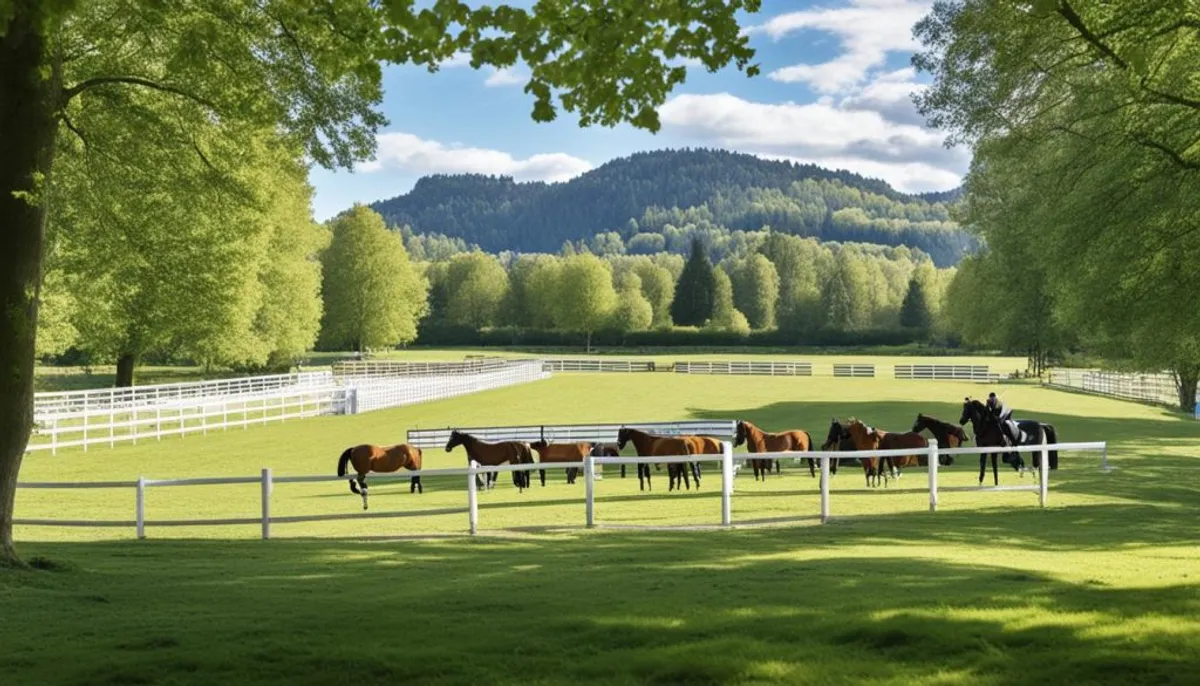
(343, 461)
(1051, 437)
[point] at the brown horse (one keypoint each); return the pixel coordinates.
(372, 458)
(648, 445)
(561, 452)
(702, 445)
(899, 441)
(866, 438)
(760, 441)
(948, 435)
(493, 454)
(837, 439)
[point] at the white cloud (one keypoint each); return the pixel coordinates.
(843, 135)
(866, 29)
(890, 94)
(505, 77)
(409, 153)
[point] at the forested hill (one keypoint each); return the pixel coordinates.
(658, 200)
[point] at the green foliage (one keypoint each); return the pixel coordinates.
(476, 285)
(694, 292)
(914, 311)
(672, 196)
(583, 295)
(725, 317)
(801, 264)
(844, 294)
(755, 289)
(373, 295)
(56, 310)
(633, 311)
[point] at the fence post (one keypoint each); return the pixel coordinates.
(141, 507)
(1104, 458)
(54, 435)
(266, 503)
(589, 489)
(1044, 474)
(726, 483)
(824, 488)
(933, 476)
(472, 497)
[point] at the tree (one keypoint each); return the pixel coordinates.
(844, 296)
(373, 295)
(693, 303)
(304, 69)
(632, 311)
(914, 312)
(585, 297)
(476, 285)
(725, 316)
(755, 289)
(542, 291)
(658, 288)
(798, 263)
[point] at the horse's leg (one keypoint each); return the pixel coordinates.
(812, 467)
(687, 480)
(754, 466)
(622, 471)
(542, 473)
(777, 468)
(982, 467)
(362, 487)
(995, 471)
(696, 473)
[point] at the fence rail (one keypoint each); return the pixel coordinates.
(1154, 388)
(586, 365)
(368, 393)
(727, 459)
(949, 372)
(568, 433)
(391, 368)
(746, 368)
(854, 370)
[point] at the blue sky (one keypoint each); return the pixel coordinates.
(835, 90)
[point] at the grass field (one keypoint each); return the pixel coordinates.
(1101, 587)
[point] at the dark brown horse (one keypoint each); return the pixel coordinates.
(649, 445)
(760, 441)
(837, 439)
(368, 458)
(889, 440)
(561, 452)
(949, 436)
(493, 454)
(866, 438)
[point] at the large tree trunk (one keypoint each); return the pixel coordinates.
(1186, 377)
(27, 127)
(126, 364)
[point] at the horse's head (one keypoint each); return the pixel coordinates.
(740, 437)
(835, 435)
(865, 437)
(623, 437)
(919, 423)
(457, 438)
(972, 410)
(539, 445)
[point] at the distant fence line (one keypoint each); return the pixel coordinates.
(571, 433)
(1153, 388)
(854, 370)
(944, 372)
(594, 365)
(392, 368)
(746, 368)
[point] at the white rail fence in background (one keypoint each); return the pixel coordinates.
(727, 460)
(591, 365)
(854, 370)
(946, 372)
(1153, 388)
(746, 368)
(106, 417)
(393, 368)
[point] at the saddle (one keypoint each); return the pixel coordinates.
(1014, 429)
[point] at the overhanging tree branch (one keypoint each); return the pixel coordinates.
(1068, 12)
(98, 81)
(1175, 157)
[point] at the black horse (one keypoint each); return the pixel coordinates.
(838, 439)
(989, 433)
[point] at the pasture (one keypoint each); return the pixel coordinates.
(1100, 587)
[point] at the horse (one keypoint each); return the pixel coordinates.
(948, 435)
(600, 450)
(759, 441)
(837, 439)
(702, 445)
(650, 445)
(1030, 433)
(866, 438)
(561, 452)
(899, 441)
(493, 454)
(368, 458)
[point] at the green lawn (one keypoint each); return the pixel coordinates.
(1101, 587)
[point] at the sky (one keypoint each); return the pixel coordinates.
(835, 90)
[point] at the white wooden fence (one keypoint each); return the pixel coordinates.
(947, 372)
(394, 368)
(573, 433)
(854, 370)
(746, 368)
(364, 394)
(593, 365)
(727, 460)
(1153, 388)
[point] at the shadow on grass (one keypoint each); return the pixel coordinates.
(765, 606)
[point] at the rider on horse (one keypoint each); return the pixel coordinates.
(1003, 415)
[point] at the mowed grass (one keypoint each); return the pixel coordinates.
(1101, 587)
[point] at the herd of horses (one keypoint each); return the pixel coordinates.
(851, 435)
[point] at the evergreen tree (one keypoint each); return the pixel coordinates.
(695, 290)
(914, 312)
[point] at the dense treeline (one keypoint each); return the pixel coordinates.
(655, 201)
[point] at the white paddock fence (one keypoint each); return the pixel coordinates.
(727, 460)
(945, 372)
(853, 370)
(109, 416)
(1154, 388)
(746, 368)
(592, 365)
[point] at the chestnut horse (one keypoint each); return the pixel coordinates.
(368, 458)
(760, 441)
(899, 441)
(493, 454)
(561, 452)
(866, 438)
(649, 445)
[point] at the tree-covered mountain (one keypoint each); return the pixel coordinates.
(670, 190)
